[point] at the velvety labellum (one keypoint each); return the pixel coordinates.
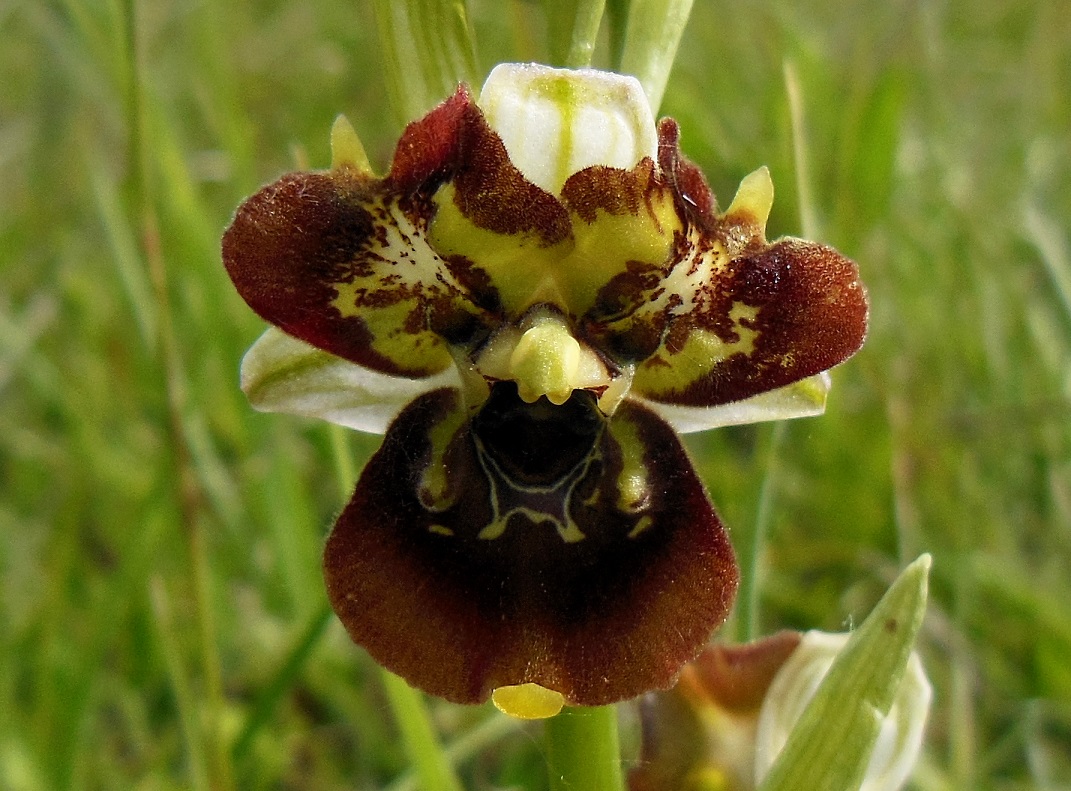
(545, 567)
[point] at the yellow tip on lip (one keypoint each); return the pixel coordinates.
(528, 701)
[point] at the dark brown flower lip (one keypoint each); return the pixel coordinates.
(600, 614)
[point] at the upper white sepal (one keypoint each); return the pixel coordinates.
(556, 122)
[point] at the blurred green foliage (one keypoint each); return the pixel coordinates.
(159, 541)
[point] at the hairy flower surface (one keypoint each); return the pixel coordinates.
(538, 293)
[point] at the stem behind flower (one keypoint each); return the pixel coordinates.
(583, 751)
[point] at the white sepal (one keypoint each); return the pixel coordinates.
(556, 122)
(283, 374)
(805, 398)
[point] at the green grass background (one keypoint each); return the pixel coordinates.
(161, 596)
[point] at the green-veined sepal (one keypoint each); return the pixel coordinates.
(282, 374)
(805, 398)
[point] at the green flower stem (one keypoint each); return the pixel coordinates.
(421, 744)
(830, 746)
(573, 30)
(583, 751)
(428, 48)
(652, 34)
(747, 617)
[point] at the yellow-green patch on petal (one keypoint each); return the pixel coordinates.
(337, 260)
(619, 221)
(747, 324)
(519, 266)
(675, 369)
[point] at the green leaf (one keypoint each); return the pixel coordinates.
(573, 28)
(428, 48)
(652, 35)
(830, 747)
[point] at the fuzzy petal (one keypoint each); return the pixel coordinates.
(536, 544)
(340, 259)
(727, 316)
(755, 322)
(283, 374)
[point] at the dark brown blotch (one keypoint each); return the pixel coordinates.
(291, 243)
(493, 194)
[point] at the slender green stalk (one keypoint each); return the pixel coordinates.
(808, 213)
(585, 33)
(428, 48)
(282, 681)
(573, 30)
(747, 623)
(617, 23)
(652, 34)
(418, 734)
(583, 750)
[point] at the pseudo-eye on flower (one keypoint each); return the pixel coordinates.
(549, 289)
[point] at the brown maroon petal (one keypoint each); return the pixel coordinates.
(428, 148)
(340, 259)
(705, 722)
(812, 315)
(536, 567)
(737, 677)
(696, 201)
(773, 316)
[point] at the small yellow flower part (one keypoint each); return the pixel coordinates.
(347, 151)
(528, 701)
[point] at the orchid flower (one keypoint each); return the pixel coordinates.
(727, 720)
(844, 712)
(531, 303)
